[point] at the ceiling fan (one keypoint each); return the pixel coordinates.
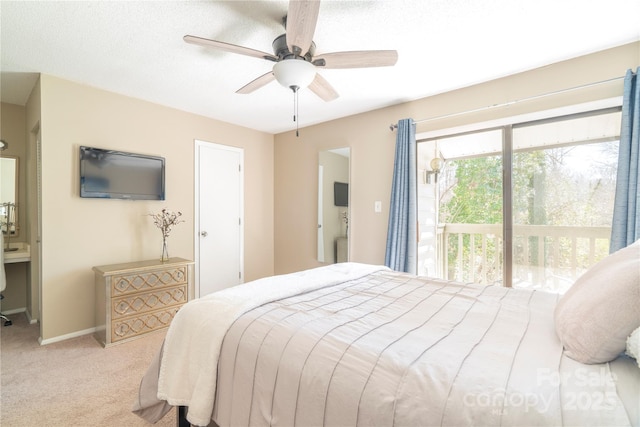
(294, 54)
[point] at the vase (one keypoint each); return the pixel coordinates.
(165, 251)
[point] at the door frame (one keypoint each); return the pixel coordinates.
(195, 293)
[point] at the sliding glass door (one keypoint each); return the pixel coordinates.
(523, 205)
(460, 203)
(564, 176)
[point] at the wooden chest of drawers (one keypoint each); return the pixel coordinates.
(136, 298)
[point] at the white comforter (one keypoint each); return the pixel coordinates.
(188, 371)
(544, 386)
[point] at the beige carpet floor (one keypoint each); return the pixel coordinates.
(75, 382)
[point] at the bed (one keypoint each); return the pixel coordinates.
(360, 345)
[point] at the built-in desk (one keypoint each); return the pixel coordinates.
(21, 254)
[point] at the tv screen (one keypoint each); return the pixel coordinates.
(340, 194)
(109, 174)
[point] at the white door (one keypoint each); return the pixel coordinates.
(219, 223)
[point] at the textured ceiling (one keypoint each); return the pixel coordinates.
(135, 48)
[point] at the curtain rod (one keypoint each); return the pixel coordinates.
(505, 104)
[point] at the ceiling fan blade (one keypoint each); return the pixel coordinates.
(257, 83)
(321, 87)
(302, 17)
(357, 59)
(228, 47)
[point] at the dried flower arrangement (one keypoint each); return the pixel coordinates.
(164, 221)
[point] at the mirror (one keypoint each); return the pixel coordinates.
(333, 205)
(9, 195)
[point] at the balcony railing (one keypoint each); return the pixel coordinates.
(544, 257)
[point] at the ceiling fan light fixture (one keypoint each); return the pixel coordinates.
(294, 73)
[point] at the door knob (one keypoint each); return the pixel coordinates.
(204, 233)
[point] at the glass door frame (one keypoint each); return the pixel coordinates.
(507, 172)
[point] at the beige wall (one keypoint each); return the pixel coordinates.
(33, 218)
(79, 233)
(12, 126)
(372, 148)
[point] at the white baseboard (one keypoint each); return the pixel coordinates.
(66, 336)
(21, 310)
(14, 311)
(30, 319)
(49, 340)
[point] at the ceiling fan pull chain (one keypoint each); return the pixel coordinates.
(295, 110)
(295, 107)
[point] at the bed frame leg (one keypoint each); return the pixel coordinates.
(181, 417)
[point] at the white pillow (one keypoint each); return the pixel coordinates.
(595, 317)
(633, 346)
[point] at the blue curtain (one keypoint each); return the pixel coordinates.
(625, 228)
(402, 236)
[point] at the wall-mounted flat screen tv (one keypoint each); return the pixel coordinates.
(340, 194)
(109, 174)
